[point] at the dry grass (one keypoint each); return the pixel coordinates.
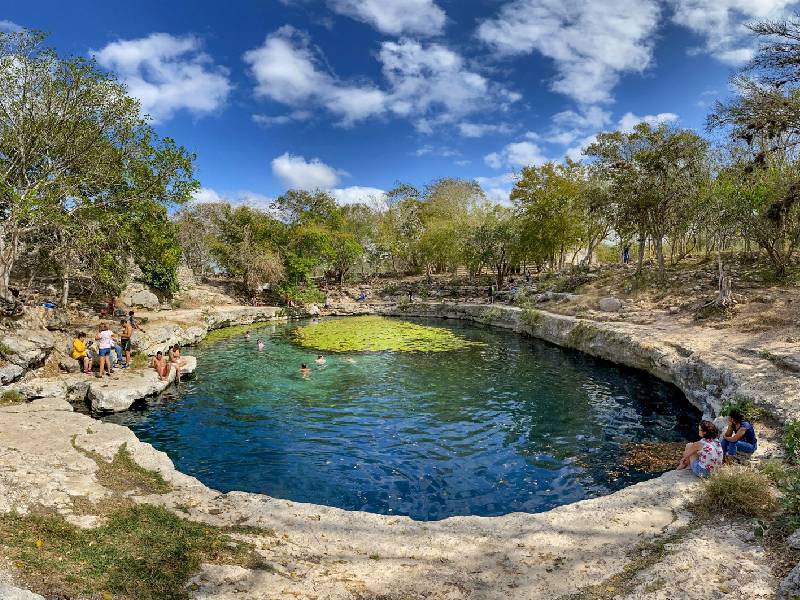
(737, 491)
(123, 474)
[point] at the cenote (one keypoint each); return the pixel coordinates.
(506, 424)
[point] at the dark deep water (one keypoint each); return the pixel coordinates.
(518, 425)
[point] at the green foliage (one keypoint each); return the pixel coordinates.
(5, 351)
(747, 407)
(307, 294)
(737, 491)
(791, 440)
(375, 334)
(139, 360)
(143, 552)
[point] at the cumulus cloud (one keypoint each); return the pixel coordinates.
(271, 120)
(516, 154)
(356, 194)
(397, 17)
(426, 83)
(721, 23)
(287, 70)
(298, 173)
(167, 74)
(592, 43)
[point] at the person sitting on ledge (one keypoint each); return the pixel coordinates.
(739, 436)
(176, 359)
(80, 353)
(705, 456)
(161, 365)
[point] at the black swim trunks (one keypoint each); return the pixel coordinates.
(125, 343)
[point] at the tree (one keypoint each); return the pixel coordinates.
(655, 173)
(73, 145)
(495, 242)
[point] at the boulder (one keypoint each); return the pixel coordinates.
(790, 586)
(27, 347)
(609, 304)
(313, 310)
(793, 541)
(9, 592)
(52, 387)
(9, 373)
(139, 296)
(121, 392)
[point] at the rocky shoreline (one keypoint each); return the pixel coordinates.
(323, 552)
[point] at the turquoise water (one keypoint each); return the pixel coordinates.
(516, 425)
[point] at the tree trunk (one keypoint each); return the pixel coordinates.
(8, 255)
(724, 297)
(65, 290)
(640, 258)
(659, 245)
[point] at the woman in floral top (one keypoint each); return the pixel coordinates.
(705, 456)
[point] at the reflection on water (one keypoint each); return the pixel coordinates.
(516, 425)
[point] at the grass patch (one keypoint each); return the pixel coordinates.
(737, 491)
(11, 397)
(142, 552)
(5, 351)
(374, 334)
(123, 474)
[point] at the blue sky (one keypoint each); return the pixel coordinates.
(355, 95)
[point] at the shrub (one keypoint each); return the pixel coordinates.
(737, 491)
(10, 397)
(776, 470)
(791, 441)
(746, 406)
(139, 360)
(5, 351)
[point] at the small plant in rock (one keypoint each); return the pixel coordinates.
(791, 441)
(737, 491)
(5, 351)
(11, 397)
(139, 360)
(744, 405)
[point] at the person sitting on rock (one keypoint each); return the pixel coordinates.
(80, 353)
(705, 456)
(176, 359)
(161, 365)
(134, 323)
(740, 436)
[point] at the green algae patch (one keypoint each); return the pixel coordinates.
(376, 334)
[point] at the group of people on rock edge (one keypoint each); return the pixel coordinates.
(104, 347)
(712, 450)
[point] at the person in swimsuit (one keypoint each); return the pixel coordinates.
(320, 359)
(305, 371)
(705, 456)
(176, 359)
(740, 436)
(260, 344)
(161, 365)
(125, 340)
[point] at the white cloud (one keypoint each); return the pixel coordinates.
(356, 194)
(592, 43)
(426, 83)
(239, 198)
(287, 70)
(630, 120)
(721, 23)
(395, 17)
(517, 154)
(498, 189)
(476, 130)
(9, 26)
(270, 120)
(297, 173)
(167, 74)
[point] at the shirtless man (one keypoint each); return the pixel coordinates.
(125, 339)
(161, 365)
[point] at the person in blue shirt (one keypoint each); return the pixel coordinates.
(739, 436)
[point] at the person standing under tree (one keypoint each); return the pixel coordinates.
(125, 339)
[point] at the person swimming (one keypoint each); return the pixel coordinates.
(320, 359)
(247, 334)
(260, 344)
(304, 370)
